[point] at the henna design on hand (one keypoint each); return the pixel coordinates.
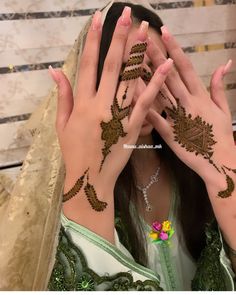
(113, 129)
(75, 189)
(195, 135)
(230, 188)
(91, 194)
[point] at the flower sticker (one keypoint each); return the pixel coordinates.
(161, 232)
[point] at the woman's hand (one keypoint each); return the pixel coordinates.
(198, 126)
(94, 125)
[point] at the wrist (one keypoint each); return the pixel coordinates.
(102, 186)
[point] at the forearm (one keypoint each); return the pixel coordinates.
(79, 210)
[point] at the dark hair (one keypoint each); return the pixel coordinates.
(194, 209)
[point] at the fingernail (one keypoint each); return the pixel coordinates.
(143, 30)
(125, 19)
(165, 67)
(96, 22)
(165, 33)
(227, 67)
(53, 74)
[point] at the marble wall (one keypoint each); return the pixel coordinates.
(37, 33)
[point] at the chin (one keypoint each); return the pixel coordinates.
(146, 130)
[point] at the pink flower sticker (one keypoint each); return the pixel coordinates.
(163, 236)
(157, 226)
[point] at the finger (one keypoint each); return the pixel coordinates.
(174, 82)
(217, 87)
(133, 68)
(65, 98)
(114, 58)
(159, 123)
(87, 75)
(147, 98)
(182, 62)
(165, 97)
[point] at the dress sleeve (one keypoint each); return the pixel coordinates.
(86, 261)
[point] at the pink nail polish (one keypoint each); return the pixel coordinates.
(165, 67)
(125, 19)
(227, 67)
(143, 30)
(53, 74)
(165, 33)
(96, 22)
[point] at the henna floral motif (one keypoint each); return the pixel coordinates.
(75, 189)
(91, 194)
(112, 130)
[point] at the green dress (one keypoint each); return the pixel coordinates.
(86, 261)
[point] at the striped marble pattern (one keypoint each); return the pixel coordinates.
(30, 41)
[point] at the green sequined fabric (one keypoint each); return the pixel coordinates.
(210, 275)
(71, 273)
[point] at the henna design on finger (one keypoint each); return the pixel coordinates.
(91, 195)
(131, 74)
(134, 60)
(75, 189)
(196, 135)
(146, 75)
(139, 48)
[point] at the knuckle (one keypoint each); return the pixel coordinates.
(172, 73)
(86, 61)
(111, 66)
(187, 64)
(120, 37)
(158, 80)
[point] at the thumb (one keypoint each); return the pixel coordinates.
(65, 97)
(217, 87)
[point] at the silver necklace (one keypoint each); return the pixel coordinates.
(154, 178)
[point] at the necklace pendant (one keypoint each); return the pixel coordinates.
(148, 208)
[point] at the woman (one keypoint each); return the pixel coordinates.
(183, 183)
(118, 202)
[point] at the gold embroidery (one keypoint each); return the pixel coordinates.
(91, 194)
(75, 189)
